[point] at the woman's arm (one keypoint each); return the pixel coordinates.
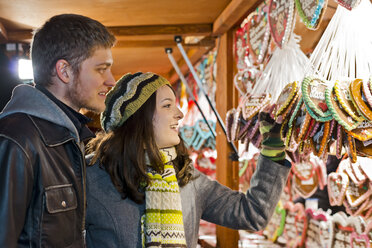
(237, 210)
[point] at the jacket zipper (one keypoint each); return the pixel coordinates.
(82, 160)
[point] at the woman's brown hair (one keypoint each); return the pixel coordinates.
(121, 153)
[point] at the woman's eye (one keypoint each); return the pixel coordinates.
(167, 106)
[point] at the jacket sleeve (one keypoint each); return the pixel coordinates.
(16, 181)
(250, 211)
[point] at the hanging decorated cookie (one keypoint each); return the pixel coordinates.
(230, 115)
(359, 240)
(313, 93)
(245, 125)
(358, 99)
(318, 228)
(235, 128)
(281, 19)
(253, 104)
(241, 47)
(363, 132)
(286, 98)
(343, 95)
(339, 141)
(304, 127)
(367, 92)
(363, 149)
(351, 148)
(258, 35)
(356, 195)
(320, 139)
(311, 12)
(338, 113)
(306, 188)
(352, 170)
(336, 186)
(188, 134)
(343, 227)
(348, 4)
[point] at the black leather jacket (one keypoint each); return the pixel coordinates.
(42, 175)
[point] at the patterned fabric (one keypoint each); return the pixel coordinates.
(162, 223)
(128, 95)
(272, 144)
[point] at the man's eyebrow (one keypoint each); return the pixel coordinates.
(104, 63)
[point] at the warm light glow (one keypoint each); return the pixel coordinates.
(25, 69)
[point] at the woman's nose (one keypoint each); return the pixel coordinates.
(179, 114)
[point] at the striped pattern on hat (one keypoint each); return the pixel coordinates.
(128, 95)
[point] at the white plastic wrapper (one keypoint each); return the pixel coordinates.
(285, 66)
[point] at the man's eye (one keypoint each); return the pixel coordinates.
(101, 70)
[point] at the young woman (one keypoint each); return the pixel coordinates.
(142, 189)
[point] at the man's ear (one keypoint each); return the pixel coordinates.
(63, 70)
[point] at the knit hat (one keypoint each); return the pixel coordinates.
(128, 95)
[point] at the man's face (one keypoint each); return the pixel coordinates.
(89, 88)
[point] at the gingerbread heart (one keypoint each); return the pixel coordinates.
(336, 186)
(258, 35)
(253, 104)
(343, 227)
(188, 134)
(318, 228)
(348, 4)
(300, 225)
(363, 131)
(359, 240)
(245, 80)
(365, 165)
(304, 170)
(241, 48)
(313, 92)
(311, 12)
(344, 98)
(286, 97)
(281, 17)
(338, 113)
(358, 99)
(293, 230)
(356, 210)
(306, 188)
(352, 170)
(356, 195)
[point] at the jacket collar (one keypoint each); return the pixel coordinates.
(26, 99)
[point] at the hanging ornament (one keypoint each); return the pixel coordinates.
(311, 12)
(348, 4)
(281, 20)
(258, 35)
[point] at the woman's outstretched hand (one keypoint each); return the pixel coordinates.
(272, 144)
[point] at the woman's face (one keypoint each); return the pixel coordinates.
(166, 117)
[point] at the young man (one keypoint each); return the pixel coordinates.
(42, 168)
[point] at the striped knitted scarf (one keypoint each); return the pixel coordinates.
(162, 223)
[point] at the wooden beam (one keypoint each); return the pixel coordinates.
(3, 33)
(226, 170)
(179, 29)
(20, 36)
(206, 42)
(233, 14)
